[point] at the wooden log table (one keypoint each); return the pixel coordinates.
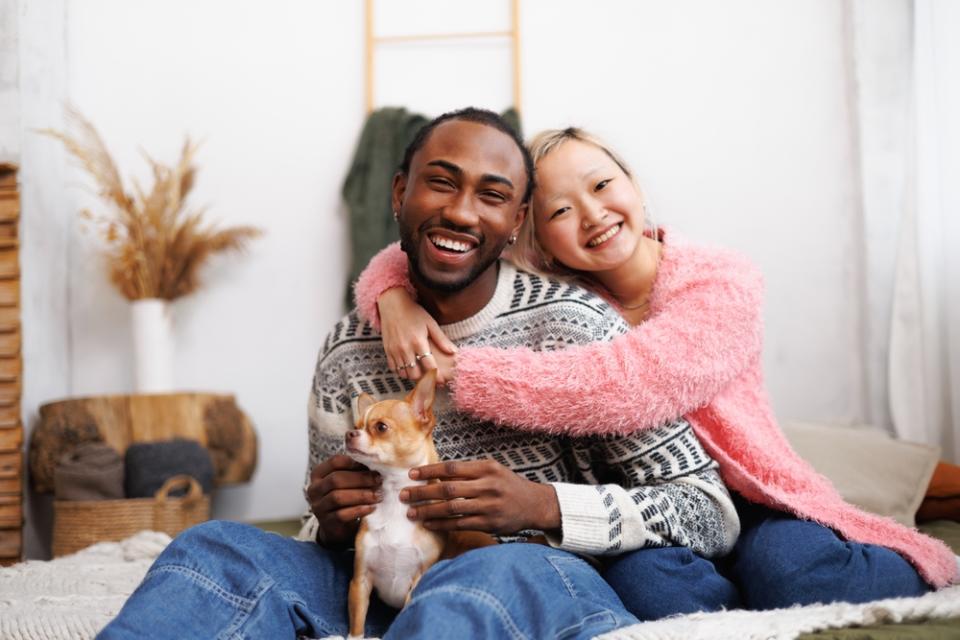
(213, 420)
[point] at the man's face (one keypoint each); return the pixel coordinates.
(460, 203)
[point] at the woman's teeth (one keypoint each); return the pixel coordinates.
(450, 245)
(596, 242)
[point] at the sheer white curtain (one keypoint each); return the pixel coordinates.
(924, 372)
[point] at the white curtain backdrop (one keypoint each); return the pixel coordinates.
(924, 372)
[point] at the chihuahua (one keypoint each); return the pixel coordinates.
(393, 552)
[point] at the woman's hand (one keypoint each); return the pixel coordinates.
(480, 495)
(412, 339)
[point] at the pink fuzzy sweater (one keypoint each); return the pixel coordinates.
(698, 355)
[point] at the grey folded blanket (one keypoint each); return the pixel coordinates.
(92, 471)
(150, 464)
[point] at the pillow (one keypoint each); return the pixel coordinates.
(869, 468)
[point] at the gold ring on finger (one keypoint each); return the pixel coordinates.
(421, 356)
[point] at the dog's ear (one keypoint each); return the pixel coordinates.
(364, 402)
(421, 398)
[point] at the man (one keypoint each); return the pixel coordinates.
(459, 198)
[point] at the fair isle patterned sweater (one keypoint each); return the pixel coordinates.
(616, 493)
(697, 355)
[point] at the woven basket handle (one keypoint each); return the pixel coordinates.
(176, 482)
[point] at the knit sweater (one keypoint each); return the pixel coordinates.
(615, 492)
(699, 355)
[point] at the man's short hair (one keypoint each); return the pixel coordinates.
(480, 116)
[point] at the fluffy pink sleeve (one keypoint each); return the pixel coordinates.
(705, 329)
(387, 269)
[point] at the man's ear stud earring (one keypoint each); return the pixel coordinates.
(396, 214)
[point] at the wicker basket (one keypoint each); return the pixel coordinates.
(80, 523)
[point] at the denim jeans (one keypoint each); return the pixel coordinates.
(229, 580)
(779, 561)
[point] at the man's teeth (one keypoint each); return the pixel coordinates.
(604, 237)
(450, 245)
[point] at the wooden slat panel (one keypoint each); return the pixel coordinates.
(9, 259)
(9, 319)
(8, 176)
(11, 463)
(11, 511)
(8, 231)
(11, 439)
(11, 369)
(10, 543)
(9, 207)
(9, 416)
(10, 293)
(10, 392)
(11, 485)
(12, 466)
(9, 341)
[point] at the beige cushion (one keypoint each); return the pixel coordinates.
(869, 468)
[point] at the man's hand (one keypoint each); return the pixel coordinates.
(480, 495)
(342, 491)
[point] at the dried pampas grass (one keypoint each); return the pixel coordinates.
(155, 244)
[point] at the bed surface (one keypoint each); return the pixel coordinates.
(949, 532)
(74, 596)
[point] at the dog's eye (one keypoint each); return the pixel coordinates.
(382, 427)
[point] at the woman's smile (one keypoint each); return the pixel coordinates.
(601, 239)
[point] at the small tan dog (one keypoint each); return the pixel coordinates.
(393, 552)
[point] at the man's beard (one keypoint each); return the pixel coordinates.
(409, 246)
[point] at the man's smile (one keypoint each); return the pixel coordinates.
(443, 249)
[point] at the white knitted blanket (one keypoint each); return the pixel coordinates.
(75, 596)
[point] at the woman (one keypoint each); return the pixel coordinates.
(694, 351)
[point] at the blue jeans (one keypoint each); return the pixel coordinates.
(778, 561)
(229, 580)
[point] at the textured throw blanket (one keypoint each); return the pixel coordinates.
(73, 597)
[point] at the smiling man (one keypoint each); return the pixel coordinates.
(456, 212)
(459, 198)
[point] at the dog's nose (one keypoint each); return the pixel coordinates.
(353, 433)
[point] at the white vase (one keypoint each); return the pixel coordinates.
(152, 345)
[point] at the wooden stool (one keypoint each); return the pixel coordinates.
(213, 420)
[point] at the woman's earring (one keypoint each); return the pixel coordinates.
(512, 240)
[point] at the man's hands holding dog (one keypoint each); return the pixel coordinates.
(480, 495)
(341, 491)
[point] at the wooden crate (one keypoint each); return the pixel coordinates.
(11, 372)
(9, 259)
(11, 463)
(9, 207)
(11, 369)
(11, 512)
(10, 293)
(10, 541)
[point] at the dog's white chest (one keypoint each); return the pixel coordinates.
(394, 548)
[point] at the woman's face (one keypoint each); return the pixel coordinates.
(588, 213)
